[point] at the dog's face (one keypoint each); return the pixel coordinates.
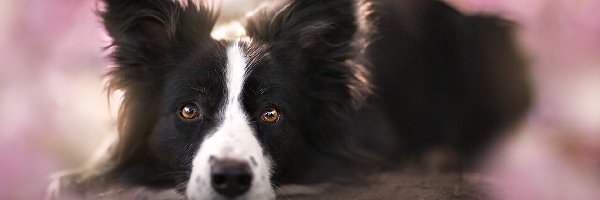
(235, 113)
(235, 116)
(229, 111)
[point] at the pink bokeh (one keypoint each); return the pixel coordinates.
(53, 109)
(555, 153)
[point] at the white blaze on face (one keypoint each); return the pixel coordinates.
(233, 139)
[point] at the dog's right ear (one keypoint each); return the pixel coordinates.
(146, 35)
(141, 26)
(147, 29)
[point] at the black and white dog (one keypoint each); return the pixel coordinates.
(233, 119)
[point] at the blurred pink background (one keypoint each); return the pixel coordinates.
(555, 153)
(54, 112)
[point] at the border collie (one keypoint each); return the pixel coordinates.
(206, 118)
(228, 119)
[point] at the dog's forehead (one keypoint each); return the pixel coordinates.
(253, 55)
(205, 71)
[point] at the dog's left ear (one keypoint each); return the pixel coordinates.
(322, 28)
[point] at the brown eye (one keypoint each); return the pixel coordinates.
(270, 115)
(189, 111)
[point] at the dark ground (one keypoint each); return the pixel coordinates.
(399, 186)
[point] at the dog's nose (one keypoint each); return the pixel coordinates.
(230, 178)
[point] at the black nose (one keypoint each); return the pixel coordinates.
(230, 178)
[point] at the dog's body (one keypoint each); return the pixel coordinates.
(289, 102)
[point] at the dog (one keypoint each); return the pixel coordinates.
(307, 89)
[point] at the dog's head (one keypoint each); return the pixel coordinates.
(228, 119)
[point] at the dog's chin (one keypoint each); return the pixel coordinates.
(252, 194)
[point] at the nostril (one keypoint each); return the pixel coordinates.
(218, 179)
(244, 179)
(230, 178)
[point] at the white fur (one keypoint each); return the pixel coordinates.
(233, 139)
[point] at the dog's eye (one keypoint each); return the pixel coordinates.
(270, 115)
(189, 111)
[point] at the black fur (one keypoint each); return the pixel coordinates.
(319, 46)
(445, 79)
(437, 78)
(154, 42)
